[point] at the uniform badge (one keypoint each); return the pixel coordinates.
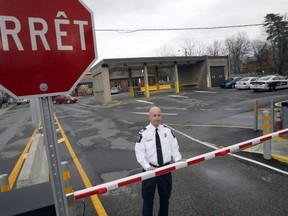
(138, 138)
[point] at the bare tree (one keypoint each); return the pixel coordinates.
(259, 48)
(165, 51)
(216, 49)
(199, 50)
(188, 47)
(238, 46)
(193, 48)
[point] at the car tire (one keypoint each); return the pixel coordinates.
(68, 101)
(54, 102)
(272, 88)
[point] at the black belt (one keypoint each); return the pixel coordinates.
(155, 166)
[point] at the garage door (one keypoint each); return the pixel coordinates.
(217, 75)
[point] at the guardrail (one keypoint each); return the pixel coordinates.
(103, 188)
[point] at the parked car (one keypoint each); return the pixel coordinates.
(64, 99)
(22, 101)
(270, 83)
(230, 83)
(244, 83)
(12, 100)
(115, 90)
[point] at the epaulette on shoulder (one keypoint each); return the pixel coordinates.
(166, 126)
(143, 129)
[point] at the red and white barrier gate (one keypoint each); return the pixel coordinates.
(103, 188)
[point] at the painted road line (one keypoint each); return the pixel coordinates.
(143, 101)
(95, 200)
(208, 92)
(61, 140)
(196, 140)
(231, 154)
(274, 156)
(233, 109)
(215, 126)
(178, 96)
(15, 172)
(259, 163)
(146, 113)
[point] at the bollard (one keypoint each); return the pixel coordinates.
(284, 112)
(68, 187)
(278, 121)
(272, 116)
(4, 184)
(66, 177)
(266, 125)
(256, 116)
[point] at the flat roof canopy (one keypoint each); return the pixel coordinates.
(138, 63)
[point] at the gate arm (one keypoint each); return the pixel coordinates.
(105, 187)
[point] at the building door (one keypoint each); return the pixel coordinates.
(217, 75)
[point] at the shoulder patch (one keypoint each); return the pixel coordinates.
(169, 129)
(139, 138)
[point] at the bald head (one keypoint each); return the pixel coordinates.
(154, 109)
(155, 116)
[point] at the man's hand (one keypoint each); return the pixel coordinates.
(151, 168)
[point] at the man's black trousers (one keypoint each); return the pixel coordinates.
(163, 184)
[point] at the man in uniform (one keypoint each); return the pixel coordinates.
(155, 147)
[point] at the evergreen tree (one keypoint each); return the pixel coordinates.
(277, 34)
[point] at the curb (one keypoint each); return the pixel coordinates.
(3, 110)
(259, 150)
(273, 156)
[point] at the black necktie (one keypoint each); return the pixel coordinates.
(158, 148)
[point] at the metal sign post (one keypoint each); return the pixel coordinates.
(50, 142)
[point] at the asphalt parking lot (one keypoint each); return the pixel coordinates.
(102, 136)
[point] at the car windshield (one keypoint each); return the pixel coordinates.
(264, 78)
(245, 79)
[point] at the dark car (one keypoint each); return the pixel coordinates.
(230, 83)
(3, 102)
(64, 99)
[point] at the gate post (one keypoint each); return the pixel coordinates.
(272, 115)
(266, 125)
(68, 187)
(256, 116)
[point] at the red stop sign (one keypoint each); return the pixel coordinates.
(45, 46)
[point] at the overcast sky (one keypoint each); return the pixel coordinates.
(151, 14)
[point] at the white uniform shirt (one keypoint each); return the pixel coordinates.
(145, 147)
